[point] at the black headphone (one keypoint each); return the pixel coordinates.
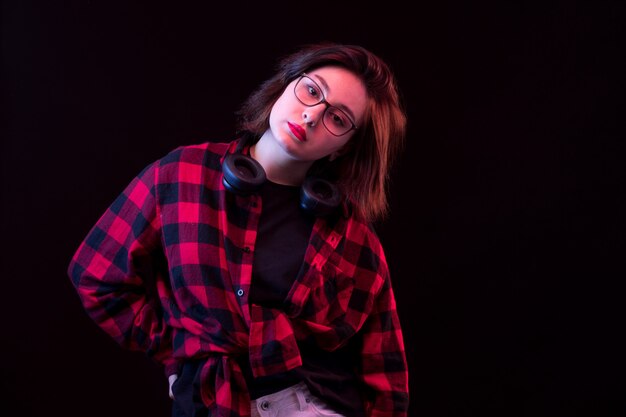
(243, 175)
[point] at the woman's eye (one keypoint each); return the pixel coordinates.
(338, 118)
(313, 91)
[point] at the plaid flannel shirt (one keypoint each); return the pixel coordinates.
(167, 270)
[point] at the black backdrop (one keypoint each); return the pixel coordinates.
(507, 230)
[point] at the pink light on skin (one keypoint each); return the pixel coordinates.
(297, 131)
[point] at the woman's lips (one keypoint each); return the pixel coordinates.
(297, 131)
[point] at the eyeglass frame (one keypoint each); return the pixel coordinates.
(322, 101)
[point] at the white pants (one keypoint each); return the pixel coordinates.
(295, 401)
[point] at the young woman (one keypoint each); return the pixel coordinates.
(250, 268)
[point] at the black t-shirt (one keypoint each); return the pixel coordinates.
(282, 238)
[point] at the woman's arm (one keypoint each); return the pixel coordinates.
(115, 270)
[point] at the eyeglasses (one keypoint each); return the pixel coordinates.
(310, 94)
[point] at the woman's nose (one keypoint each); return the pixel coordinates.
(313, 114)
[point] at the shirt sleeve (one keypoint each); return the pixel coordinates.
(116, 271)
(383, 359)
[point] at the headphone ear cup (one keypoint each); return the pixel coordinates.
(319, 197)
(242, 174)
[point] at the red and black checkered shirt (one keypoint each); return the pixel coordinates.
(167, 270)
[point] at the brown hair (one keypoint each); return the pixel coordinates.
(362, 173)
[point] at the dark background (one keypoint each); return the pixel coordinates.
(506, 239)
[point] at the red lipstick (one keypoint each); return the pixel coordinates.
(297, 131)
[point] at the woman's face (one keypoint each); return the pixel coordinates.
(303, 119)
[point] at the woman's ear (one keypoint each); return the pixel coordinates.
(334, 156)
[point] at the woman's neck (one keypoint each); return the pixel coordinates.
(279, 167)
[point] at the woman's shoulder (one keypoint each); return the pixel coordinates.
(196, 153)
(359, 230)
(190, 161)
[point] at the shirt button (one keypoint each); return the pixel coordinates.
(246, 249)
(265, 405)
(240, 292)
